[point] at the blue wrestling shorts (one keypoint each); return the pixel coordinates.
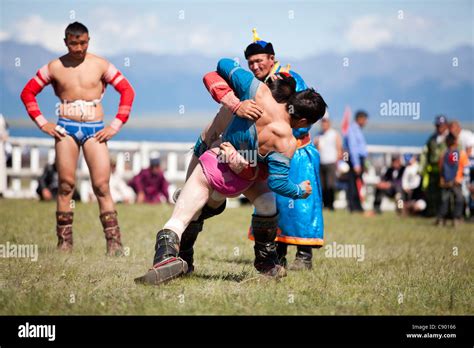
(80, 131)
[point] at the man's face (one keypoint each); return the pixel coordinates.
(155, 169)
(441, 128)
(77, 45)
(397, 163)
(325, 125)
(261, 65)
(362, 121)
(455, 128)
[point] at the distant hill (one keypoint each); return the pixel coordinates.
(165, 83)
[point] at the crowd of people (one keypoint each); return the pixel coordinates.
(439, 182)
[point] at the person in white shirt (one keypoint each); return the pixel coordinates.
(119, 190)
(413, 200)
(329, 144)
(465, 139)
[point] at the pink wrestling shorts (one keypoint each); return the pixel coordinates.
(221, 178)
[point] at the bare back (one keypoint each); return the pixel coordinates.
(273, 128)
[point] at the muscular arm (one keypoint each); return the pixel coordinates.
(242, 82)
(279, 181)
(114, 77)
(222, 93)
(31, 90)
(28, 97)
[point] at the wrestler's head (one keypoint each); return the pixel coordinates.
(260, 56)
(261, 64)
(76, 39)
(305, 108)
(282, 88)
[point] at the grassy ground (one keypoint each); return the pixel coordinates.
(410, 267)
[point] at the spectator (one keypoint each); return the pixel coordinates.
(429, 165)
(329, 144)
(355, 145)
(463, 136)
(48, 184)
(120, 191)
(150, 184)
(465, 139)
(391, 184)
(3, 154)
(451, 168)
(413, 199)
(471, 181)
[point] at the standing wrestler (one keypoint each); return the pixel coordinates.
(79, 80)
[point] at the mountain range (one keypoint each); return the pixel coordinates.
(169, 88)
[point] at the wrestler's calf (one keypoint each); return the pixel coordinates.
(64, 230)
(190, 234)
(266, 258)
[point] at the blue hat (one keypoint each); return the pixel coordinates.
(258, 46)
(407, 157)
(440, 119)
(154, 162)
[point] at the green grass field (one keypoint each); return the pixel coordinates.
(410, 267)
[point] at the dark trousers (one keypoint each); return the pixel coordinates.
(390, 192)
(446, 194)
(353, 199)
(302, 251)
(328, 183)
(433, 195)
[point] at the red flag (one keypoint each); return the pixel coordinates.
(346, 119)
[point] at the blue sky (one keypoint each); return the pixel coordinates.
(297, 29)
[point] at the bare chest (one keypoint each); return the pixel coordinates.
(81, 82)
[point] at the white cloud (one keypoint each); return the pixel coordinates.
(372, 31)
(367, 33)
(4, 36)
(145, 32)
(33, 29)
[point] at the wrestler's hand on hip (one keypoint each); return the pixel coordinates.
(105, 134)
(250, 110)
(53, 130)
(306, 185)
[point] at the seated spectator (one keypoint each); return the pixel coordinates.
(150, 184)
(451, 165)
(413, 198)
(391, 183)
(120, 191)
(48, 184)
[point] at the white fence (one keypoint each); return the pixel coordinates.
(29, 155)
